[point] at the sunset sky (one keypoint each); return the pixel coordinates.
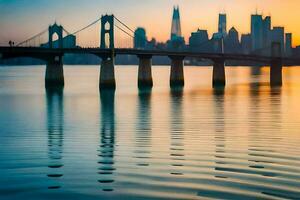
(20, 19)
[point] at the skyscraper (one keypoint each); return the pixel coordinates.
(140, 38)
(176, 26)
(222, 29)
(199, 41)
(288, 44)
(257, 32)
(266, 31)
(246, 43)
(277, 35)
(177, 41)
(231, 42)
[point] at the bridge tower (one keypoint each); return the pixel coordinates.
(107, 71)
(54, 76)
(107, 29)
(55, 29)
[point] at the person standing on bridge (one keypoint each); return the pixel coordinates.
(11, 43)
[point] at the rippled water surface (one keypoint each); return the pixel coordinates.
(197, 143)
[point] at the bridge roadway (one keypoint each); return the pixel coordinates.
(55, 77)
(44, 53)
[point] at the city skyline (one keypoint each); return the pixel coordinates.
(149, 99)
(191, 19)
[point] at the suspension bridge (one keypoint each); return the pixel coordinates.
(84, 41)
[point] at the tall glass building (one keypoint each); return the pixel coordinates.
(257, 32)
(222, 28)
(176, 25)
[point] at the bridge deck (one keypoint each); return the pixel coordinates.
(43, 52)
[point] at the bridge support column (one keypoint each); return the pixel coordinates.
(145, 72)
(276, 66)
(107, 73)
(177, 73)
(54, 72)
(219, 79)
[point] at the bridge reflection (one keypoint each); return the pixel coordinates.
(260, 145)
(107, 141)
(177, 132)
(55, 126)
(144, 128)
(220, 136)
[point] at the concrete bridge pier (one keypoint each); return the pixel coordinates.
(219, 79)
(145, 72)
(107, 73)
(177, 73)
(54, 72)
(276, 66)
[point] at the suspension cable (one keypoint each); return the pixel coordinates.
(33, 37)
(124, 24)
(68, 33)
(91, 24)
(124, 31)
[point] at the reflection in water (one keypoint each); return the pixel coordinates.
(276, 111)
(257, 83)
(261, 144)
(55, 122)
(255, 71)
(107, 141)
(220, 139)
(255, 127)
(241, 143)
(144, 129)
(177, 131)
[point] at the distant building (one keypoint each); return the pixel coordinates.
(296, 51)
(176, 41)
(246, 43)
(277, 35)
(231, 42)
(222, 28)
(288, 44)
(266, 31)
(217, 36)
(199, 41)
(151, 44)
(68, 42)
(176, 25)
(140, 38)
(257, 32)
(217, 45)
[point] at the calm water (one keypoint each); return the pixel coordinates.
(195, 143)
